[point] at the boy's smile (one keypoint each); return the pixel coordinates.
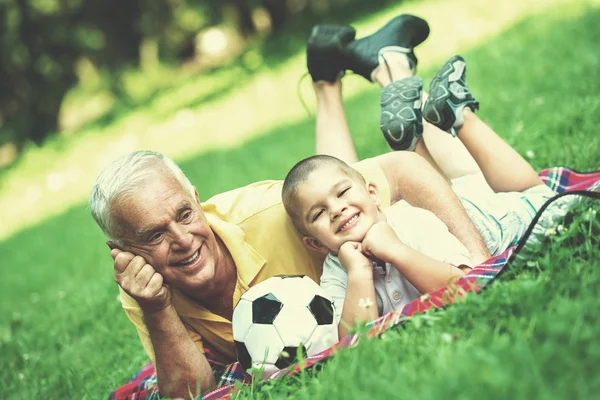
(336, 207)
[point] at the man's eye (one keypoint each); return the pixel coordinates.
(155, 237)
(186, 216)
(317, 215)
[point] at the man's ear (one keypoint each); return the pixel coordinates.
(315, 245)
(196, 195)
(113, 245)
(374, 193)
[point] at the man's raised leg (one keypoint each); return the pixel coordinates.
(325, 60)
(332, 132)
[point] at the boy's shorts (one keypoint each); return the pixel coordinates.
(502, 218)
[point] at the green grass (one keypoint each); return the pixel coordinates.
(63, 334)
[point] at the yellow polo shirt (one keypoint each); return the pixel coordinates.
(262, 241)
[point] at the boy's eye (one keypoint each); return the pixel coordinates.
(317, 215)
(343, 192)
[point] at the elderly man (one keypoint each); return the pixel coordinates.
(182, 265)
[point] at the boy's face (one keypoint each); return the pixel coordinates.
(335, 207)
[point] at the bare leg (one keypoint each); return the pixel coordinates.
(332, 132)
(393, 69)
(449, 153)
(504, 169)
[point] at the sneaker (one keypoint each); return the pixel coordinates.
(403, 33)
(448, 96)
(401, 121)
(325, 51)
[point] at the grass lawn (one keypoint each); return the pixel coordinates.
(63, 334)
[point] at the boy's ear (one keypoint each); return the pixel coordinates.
(374, 193)
(315, 245)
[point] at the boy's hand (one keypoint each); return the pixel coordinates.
(139, 280)
(352, 258)
(381, 242)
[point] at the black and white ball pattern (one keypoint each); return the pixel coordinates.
(279, 318)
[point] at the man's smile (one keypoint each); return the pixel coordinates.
(191, 261)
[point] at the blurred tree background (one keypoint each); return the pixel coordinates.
(48, 47)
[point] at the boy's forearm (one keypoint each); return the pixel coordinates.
(423, 272)
(360, 303)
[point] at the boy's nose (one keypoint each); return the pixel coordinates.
(340, 211)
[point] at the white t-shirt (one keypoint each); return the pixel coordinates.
(417, 228)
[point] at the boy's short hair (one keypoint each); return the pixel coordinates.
(299, 173)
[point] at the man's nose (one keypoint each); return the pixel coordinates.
(181, 238)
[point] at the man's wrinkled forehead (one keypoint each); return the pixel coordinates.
(154, 196)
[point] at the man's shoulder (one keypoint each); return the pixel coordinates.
(239, 204)
(413, 225)
(403, 213)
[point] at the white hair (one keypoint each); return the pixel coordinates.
(122, 176)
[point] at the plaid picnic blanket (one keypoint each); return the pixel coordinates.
(565, 182)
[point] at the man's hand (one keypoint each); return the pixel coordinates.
(381, 242)
(139, 280)
(352, 258)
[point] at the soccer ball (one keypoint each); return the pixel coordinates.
(280, 317)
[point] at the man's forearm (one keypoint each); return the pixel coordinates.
(181, 368)
(413, 179)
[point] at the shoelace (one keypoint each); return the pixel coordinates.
(303, 76)
(299, 94)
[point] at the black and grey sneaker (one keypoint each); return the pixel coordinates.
(401, 121)
(448, 96)
(325, 56)
(403, 32)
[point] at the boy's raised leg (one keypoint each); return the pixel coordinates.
(401, 98)
(503, 167)
(451, 107)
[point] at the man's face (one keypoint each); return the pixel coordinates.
(335, 207)
(163, 222)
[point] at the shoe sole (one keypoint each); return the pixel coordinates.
(401, 121)
(438, 110)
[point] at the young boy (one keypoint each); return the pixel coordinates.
(384, 258)
(338, 213)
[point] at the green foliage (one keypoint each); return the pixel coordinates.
(42, 42)
(63, 333)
